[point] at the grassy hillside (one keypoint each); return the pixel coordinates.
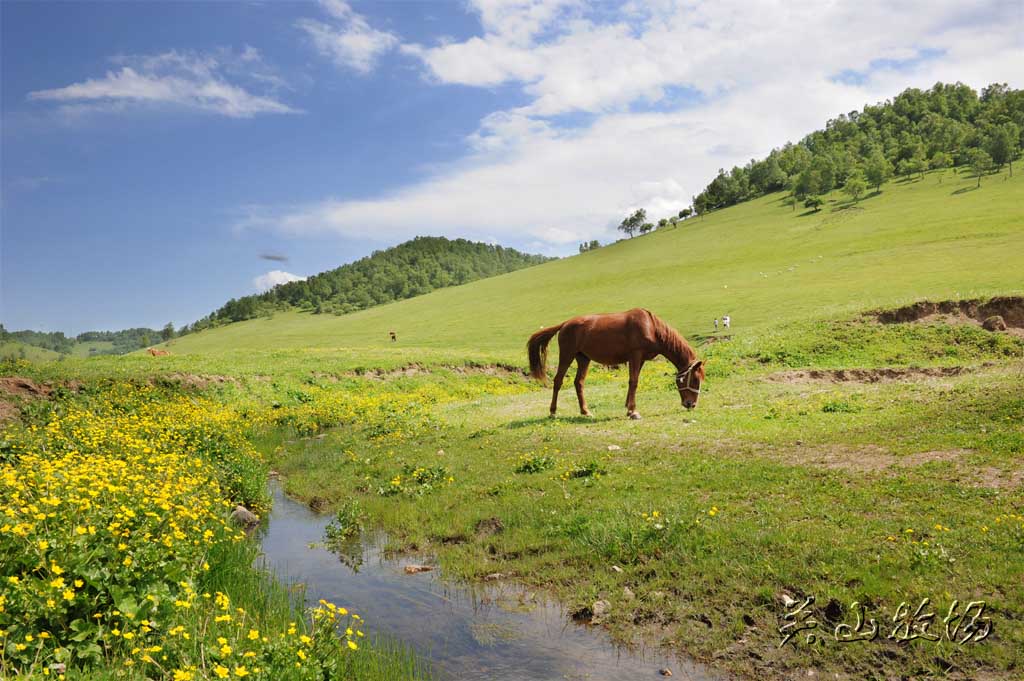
(18, 350)
(759, 261)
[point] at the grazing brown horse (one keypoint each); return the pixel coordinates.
(631, 337)
(157, 352)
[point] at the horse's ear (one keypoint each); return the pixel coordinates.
(698, 364)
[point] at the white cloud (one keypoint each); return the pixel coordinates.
(752, 77)
(349, 40)
(273, 278)
(180, 79)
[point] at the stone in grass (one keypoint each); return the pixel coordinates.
(665, 671)
(614, 448)
(599, 611)
(414, 569)
(628, 594)
(994, 323)
(244, 516)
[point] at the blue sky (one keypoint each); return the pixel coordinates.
(152, 151)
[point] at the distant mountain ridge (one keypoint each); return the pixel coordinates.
(409, 269)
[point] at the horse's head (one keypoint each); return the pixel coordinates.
(688, 383)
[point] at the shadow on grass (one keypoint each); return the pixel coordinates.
(964, 190)
(547, 420)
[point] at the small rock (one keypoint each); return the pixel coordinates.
(665, 672)
(616, 568)
(614, 448)
(787, 600)
(599, 611)
(440, 452)
(994, 323)
(415, 569)
(244, 516)
(628, 594)
(489, 526)
(494, 576)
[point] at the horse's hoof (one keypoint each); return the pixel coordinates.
(586, 414)
(634, 415)
(551, 415)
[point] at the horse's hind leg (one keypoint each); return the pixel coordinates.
(582, 365)
(564, 360)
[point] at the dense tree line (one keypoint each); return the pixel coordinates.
(947, 125)
(409, 269)
(124, 341)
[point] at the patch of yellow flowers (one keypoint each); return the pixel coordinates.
(111, 512)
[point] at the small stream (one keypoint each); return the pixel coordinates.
(501, 633)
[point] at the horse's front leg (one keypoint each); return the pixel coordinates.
(635, 364)
(582, 365)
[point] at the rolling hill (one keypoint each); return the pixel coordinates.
(760, 261)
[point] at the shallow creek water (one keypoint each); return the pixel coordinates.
(501, 633)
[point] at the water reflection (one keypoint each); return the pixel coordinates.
(502, 633)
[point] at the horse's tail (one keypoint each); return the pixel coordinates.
(537, 350)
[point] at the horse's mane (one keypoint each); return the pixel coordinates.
(671, 339)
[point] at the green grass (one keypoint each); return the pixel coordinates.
(16, 350)
(774, 484)
(758, 261)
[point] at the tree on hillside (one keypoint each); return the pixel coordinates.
(814, 202)
(167, 333)
(856, 185)
(940, 161)
(662, 223)
(646, 227)
(877, 170)
(632, 223)
(981, 163)
(685, 213)
(1002, 144)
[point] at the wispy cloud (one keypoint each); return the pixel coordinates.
(273, 278)
(211, 82)
(760, 75)
(348, 39)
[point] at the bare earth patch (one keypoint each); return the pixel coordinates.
(416, 369)
(1003, 314)
(885, 374)
(865, 458)
(18, 386)
(194, 381)
(8, 412)
(877, 459)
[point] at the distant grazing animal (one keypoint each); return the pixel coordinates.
(727, 321)
(631, 337)
(394, 336)
(156, 352)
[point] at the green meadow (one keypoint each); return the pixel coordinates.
(830, 456)
(760, 262)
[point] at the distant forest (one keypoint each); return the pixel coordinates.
(919, 130)
(409, 269)
(120, 342)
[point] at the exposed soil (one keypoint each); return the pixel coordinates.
(193, 381)
(876, 459)
(14, 389)
(1010, 310)
(883, 375)
(8, 412)
(866, 458)
(26, 388)
(416, 369)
